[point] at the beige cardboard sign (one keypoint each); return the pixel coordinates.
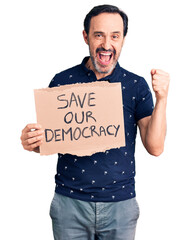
(81, 119)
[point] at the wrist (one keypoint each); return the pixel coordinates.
(162, 101)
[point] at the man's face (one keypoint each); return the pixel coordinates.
(105, 40)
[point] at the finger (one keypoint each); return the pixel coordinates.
(27, 131)
(160, 72)
(33, 146)
(31, 134)
(154, 82)
(157, 77)
(31, 126)
(153, 71)
(30, 141)
(155, 88)
(34, 133)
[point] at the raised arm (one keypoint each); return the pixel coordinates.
(153, 128)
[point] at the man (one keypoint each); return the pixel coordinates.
(95, 196)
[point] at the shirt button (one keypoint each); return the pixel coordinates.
(89, 74)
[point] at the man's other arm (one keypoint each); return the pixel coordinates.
(153, 128)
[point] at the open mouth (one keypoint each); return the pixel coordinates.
(105, 57)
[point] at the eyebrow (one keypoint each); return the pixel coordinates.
(116, 32)
(96, 32)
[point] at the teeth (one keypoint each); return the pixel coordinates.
(106, 54)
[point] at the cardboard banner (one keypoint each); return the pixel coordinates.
(81, 119)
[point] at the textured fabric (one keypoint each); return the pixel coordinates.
(81, 220)
(109, 176)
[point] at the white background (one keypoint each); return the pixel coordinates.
(41, 38)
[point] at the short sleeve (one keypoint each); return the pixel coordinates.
(144, 103)
(53, 82)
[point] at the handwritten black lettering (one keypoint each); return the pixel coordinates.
(102, 130)
(68, 117)
(82, 119)
(73, 99)
(59, 98)
(85, 136)
(49, 137)
(66, 132)
(92, 128)
(117, 129)
(57, 134)
(89, 100)
(107, 129)
(89, 115)
(77, 100)
(81, 103)
(75, 133)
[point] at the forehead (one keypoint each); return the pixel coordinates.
(106, 22)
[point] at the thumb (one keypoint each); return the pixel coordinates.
(153, 71)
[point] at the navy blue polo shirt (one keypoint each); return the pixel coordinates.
(108, 176)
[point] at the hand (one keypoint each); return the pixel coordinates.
(160, 83)
(31, 137)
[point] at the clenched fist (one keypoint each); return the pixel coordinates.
(160, 83)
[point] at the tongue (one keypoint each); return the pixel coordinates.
(105, 58)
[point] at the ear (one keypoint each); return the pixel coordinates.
(85, 36)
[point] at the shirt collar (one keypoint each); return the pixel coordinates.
(112, 77)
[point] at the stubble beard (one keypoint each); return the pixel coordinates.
(98, 68)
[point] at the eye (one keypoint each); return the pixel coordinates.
(98, 35)
(115, 36)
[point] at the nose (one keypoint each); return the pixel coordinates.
(106, 44)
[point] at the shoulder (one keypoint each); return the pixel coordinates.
(65, 76)
(130, 76)
(69, 71)
(130, 79)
